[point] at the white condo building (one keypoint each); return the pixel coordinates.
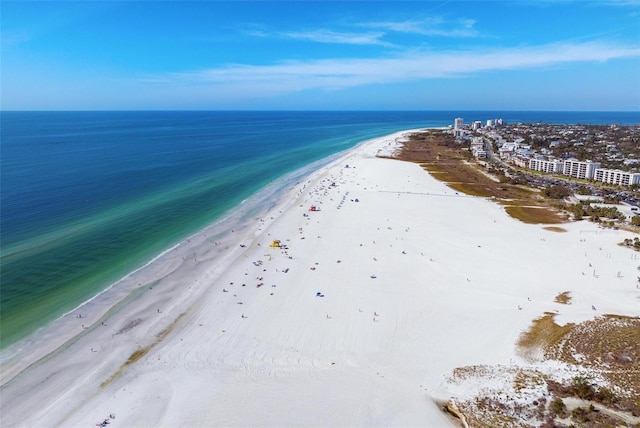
(580, 169)
(614, 176)
(549, 166)
(458, 122)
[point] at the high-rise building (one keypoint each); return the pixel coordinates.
(458, 122)
(548, 166)
(614, 176)
(580, 169)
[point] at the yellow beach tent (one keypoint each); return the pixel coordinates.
(275, 243)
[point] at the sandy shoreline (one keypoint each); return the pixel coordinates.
(415, 280)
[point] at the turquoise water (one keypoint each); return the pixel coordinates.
(87, 197)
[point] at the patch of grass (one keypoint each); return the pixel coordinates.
(472, 189)
(527, 379)
(449, 161)
(490, 413)
(564, 298)
(525, 190)
(555, 229)
(534, 215)
(558, 408)
(457, 171)
(137, 355)
(543, 333)
(606, 350)
(610, 346)
(620, 317)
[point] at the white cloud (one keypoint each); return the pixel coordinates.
(429, 27)
(328, 36)
(426, 27)
(624, 3)
(333, 74)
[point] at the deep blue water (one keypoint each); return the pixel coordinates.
(87, 197)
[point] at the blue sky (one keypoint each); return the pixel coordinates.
(315, 55)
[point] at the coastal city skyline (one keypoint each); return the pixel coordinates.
(455, 55)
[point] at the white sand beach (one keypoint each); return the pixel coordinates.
(379, 295)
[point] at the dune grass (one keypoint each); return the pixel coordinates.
(448, 161)
(609, 345)
(555, 229)
(543, 334)
(534, 215)
(564, 298)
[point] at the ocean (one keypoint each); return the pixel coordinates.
(87, 197)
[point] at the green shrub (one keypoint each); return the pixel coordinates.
(558, 407)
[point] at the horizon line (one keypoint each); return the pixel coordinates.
(309, 110)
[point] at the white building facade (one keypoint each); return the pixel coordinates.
(549, 166)
(617, 177)
(580, 169)
(477, 147)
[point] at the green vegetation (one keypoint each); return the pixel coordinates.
(582, 190)
(585, 209)
(633, 243)
(558, 408)
(556, 191)
(446, 160)
(608, 347)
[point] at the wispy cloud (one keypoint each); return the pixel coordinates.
(335, 74)
(429, 27)
(550, 3)
(425, 27)
(328, 36)
(623, 3)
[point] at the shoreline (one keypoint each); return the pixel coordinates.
(384, 243)
(132, 227)
(238, 218)
(241, 213)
